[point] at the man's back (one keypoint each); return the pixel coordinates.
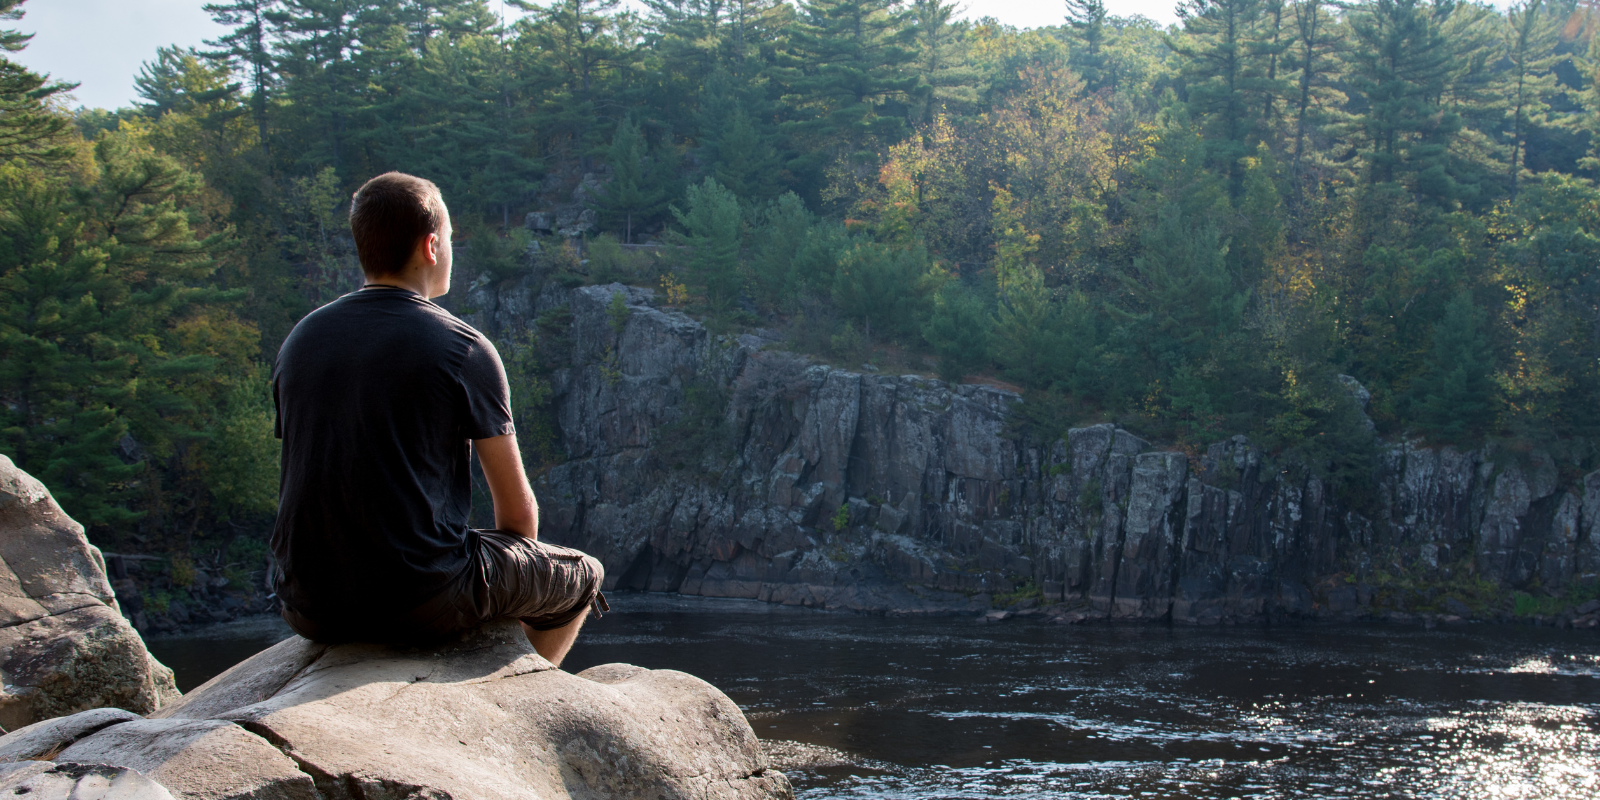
(378, 394)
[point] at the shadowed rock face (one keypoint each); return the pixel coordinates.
(64, 647)
(482, 717)
(944, 507)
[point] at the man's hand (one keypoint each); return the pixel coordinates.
(515, 510)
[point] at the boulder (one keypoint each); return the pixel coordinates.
(479, 717)
(64, 645)
(42, 780)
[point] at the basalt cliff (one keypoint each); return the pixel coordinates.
(726, 466)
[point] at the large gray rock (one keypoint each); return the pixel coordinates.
(44, 780)
(480, 717)
(64, 647)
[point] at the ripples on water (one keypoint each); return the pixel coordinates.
(859, 707)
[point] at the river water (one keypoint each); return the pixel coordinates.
(859, 707)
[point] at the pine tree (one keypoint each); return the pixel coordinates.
(1087, 21)
(316, 42)
(1403, 65)
(886, 288)
(945, 78)
(1186, 304)
(106, 331)
(733, 149)
(28, 127)
(1529, 34)
(473, 133)
(577, 49)
(178, 81)
(247, 49)
(711, 229)
(958, 332)
(1454, 396)
(1227, 65)
(843, 77)
(1312, 63)
(782, 236)
(636, 195)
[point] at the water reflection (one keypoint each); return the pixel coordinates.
(857, 707)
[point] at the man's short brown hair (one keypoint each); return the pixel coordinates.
(389, 215)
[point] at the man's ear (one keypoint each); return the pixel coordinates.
(430, 249)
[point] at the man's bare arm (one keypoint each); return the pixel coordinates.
(515, 510)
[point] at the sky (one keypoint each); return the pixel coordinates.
(100, 44)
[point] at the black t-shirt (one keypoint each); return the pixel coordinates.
(378, 394)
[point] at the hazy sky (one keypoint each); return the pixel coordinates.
(101, 43)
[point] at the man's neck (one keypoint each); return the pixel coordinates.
(398, 282)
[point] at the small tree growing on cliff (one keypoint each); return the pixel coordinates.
(709, 239)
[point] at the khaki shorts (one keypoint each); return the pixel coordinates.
(546, 586)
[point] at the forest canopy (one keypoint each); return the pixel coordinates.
(1232, 225)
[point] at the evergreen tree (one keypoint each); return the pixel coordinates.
(316, 40)
(1313, 104)
(473, 135)
(733, 149)
(1186, 306)
(1228, 77)
(1087, 21)
(1402, 65)
(710, 234)
(28, 127)
(577, 49)
(1040, 341)
(946, 82)
(247, 49)
(636, 195)
(112, 349)
(1454, 396)
(958, 332)
(781, 236)
(177, 81)
(885, 288)
(843, 77)
(1529, 34)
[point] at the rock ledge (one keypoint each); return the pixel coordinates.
(481, 717)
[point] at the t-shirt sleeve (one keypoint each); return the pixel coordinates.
(488, 395)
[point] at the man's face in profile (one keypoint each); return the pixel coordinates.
(445, 256)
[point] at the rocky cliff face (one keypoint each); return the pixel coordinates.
(721, 466)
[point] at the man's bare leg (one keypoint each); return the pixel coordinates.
(554, 644)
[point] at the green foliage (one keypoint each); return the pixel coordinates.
(29, 128)
(849, 344)
(617, 312)
(1028, 590)
(502, 258)
(958, 331)
(122, 374)
(636, 197)
(1455, 394)
(610, 262)
(710, 234)
(1194, 231)
(885, 287)
(1091, 500)
(531, 411)
(841, 517)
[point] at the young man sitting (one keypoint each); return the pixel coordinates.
(382, 398)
